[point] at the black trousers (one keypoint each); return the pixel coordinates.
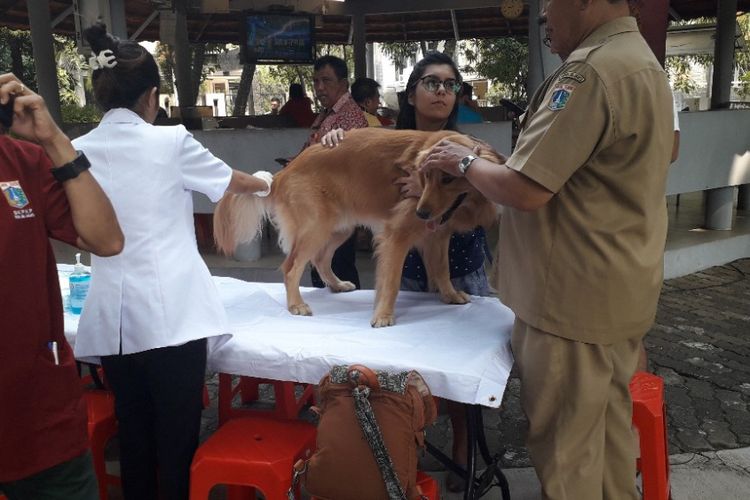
(343, 264)
(158, 403)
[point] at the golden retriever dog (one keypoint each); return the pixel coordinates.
(323, 194)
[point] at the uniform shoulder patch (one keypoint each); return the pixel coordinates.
(560, 96)
(572, 75)
(14, 194)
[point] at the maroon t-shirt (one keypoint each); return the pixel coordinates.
(42, 411)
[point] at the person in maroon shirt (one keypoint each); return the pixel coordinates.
(43, 438)
(299, 106)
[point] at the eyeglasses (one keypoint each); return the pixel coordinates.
(433, 83)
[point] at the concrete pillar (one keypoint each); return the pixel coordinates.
(119, 25)
(743, 197)
(360, 45)
(40, 23)
(726, 25)
(542, 62)
(720, 202)
(719, 208)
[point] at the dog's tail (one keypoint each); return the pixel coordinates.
(238, 218)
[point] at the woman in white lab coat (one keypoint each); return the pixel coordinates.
(151, 309)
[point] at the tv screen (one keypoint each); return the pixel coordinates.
(278, 38)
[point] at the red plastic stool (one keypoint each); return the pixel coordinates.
(251, 453)
(287, 405)
(102, 426)
(647, 392)
(427, 485)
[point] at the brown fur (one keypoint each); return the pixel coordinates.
(321, 196)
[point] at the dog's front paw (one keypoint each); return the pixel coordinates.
(343, 286)
(301, 309)
(381, 320)
(455, 297)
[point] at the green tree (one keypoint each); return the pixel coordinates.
(679, 67)
(16, 55)
(503, 60)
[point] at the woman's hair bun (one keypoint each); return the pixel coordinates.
(96, 35)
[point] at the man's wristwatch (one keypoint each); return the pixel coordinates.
(465, 162)
(72, 169)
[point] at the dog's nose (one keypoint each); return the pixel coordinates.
(423, 214)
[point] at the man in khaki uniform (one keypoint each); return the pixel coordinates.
(581, 244)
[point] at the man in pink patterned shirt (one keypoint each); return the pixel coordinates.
(331, 85)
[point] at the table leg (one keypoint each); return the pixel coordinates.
(492, 462)
(476, 438)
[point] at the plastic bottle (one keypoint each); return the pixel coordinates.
(79, 283)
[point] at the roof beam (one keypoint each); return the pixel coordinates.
(144, 25)
(350, 7)
(455, 25)
(62, 16)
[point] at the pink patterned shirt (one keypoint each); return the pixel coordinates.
(344, 114)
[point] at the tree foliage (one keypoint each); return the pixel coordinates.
(679, 67)
(503, 60)
(16, 55)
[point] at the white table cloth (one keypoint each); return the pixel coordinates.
(463, 352)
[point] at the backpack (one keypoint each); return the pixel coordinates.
(371, 424)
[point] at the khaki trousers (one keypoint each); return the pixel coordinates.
(577, 400)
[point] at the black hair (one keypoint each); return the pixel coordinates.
(296, 91)
(467, 89)
(276, 99)
(338, 65)
(136, 71)
(364, 88)
(407, 118)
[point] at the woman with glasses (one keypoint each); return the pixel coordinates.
(430, 103)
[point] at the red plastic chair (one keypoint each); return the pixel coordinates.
(649, 417)
(249, 453)
(287, 406)
(102, 426)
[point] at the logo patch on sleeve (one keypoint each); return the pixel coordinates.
(572, 75)
(560, 96)
(14, 194)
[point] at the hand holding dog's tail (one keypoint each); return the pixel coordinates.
(238, 218)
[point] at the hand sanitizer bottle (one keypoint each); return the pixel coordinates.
(79, 286)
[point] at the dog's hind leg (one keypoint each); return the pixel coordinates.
(322, 263)
(435, 256)
(293, 267)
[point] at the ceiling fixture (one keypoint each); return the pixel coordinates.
(511, 9)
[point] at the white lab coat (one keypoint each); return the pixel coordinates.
(158, 292)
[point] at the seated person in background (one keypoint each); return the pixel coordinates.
(298, 107)
(467, 107)
(275, 104)
(366, 94)
(365, 91)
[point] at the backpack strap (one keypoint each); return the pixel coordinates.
(371, 430)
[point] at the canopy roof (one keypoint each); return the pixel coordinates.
(336, 27)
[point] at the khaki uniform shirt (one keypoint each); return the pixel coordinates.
(598, 133)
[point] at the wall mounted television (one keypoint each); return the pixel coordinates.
(277, 38)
